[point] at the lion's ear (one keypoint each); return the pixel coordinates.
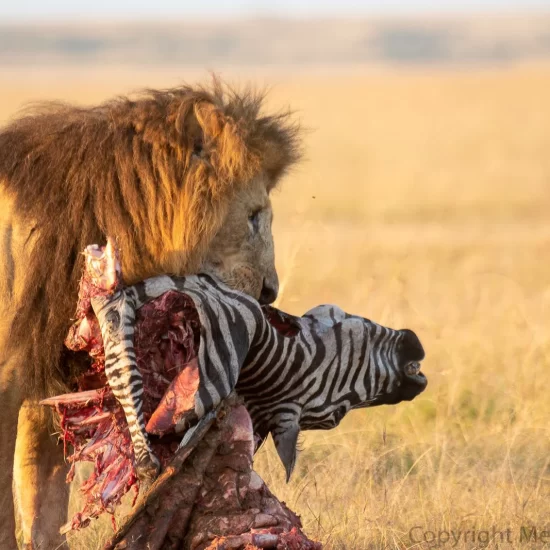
(276, 161)
(220, 141)
(210, 119)
(225, 145)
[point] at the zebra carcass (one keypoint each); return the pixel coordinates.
(173, 349)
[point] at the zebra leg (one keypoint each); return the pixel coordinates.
(116, 316)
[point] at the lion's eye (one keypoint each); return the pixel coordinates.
(254, 221)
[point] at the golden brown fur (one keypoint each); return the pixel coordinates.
(158, 173)
(169, 174)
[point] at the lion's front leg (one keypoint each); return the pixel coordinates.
(41, 493)
(9, 397)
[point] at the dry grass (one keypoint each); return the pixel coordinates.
(423, 203)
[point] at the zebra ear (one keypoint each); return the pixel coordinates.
(286, 441)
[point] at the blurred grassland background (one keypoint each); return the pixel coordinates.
(423, 202)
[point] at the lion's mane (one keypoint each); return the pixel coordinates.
(157, 172)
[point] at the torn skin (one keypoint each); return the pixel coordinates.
(166, 337)
(93, 423)
(166, 333)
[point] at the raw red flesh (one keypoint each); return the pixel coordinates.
(286, 324)
(213, 500)
(178, 402)
(216, 501)
(93, 423)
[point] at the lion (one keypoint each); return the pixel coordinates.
(181, 178)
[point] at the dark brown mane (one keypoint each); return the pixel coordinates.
(156, 172)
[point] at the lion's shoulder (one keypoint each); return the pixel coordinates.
(16, 240)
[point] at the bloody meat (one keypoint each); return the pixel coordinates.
(206, 498)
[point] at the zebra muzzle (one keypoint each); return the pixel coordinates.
(412, 368)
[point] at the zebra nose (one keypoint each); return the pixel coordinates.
(269, 292)
(410, 348)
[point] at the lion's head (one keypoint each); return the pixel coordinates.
(180, 178)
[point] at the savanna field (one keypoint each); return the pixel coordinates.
(423, 201)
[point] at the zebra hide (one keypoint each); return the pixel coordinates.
(309, 380)
(293, 373)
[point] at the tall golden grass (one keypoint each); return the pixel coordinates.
(423, 202)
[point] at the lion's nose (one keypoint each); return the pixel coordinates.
(269, 292)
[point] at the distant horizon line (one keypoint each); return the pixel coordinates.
(203, 18)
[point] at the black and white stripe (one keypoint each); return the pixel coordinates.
(116, 315)
(333, 362)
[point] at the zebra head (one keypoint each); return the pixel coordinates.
(333, 362)
(376, 365)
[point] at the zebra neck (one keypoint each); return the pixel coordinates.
(272, 352)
